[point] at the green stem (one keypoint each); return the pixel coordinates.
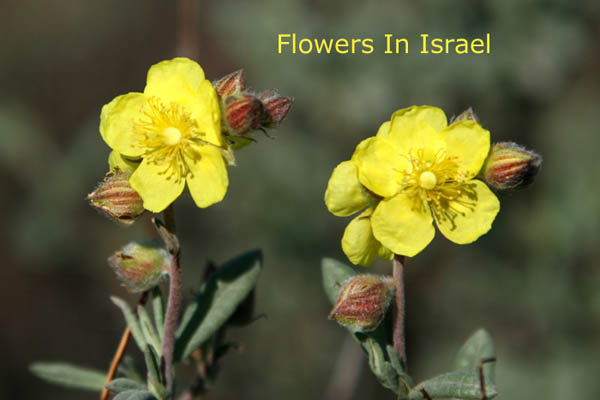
(398, 333)
(173, 302)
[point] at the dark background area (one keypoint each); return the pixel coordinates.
(532, 281)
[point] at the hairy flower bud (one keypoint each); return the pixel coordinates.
(230, 85)
(140, 265)
(276, 106)
(116, 198)
(243, 114)
(363, 301)
(467, 115)
(510, 166)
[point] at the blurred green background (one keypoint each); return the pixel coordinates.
(532, 281)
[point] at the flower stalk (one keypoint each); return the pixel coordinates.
(398, 332)
(174, 299)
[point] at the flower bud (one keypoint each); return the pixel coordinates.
(276, 106)
(116, 198)
(363, 301)
(467, 115)
(243, 114)
(230, 85)
(510, 166)
(140, 265)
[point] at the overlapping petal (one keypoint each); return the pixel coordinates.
(117, 123)
(345, 195)
(400, 227)
(156, 188)
(117, 161)
(476, 211)
(380, 166)
(358, 242)
(470, 143)
(208, 180)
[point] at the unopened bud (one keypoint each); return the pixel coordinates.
(243, 115)
(230, 85)
(140, 265)
(467, 115)
(510, 166)
(363, 301)
(276, 106)
(116, 198)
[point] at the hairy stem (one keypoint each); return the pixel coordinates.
(173, 302)
(398, 335)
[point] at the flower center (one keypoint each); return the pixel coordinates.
(172, 136)
(427, 180)
(435, 183)
(169, 137)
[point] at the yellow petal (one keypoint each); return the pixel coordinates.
(417, 128)
(208, 179)
(116, 160)
(156, 188)
(471, 221)
(117, 120)
(358, 242)
(384, 130)
(345, 195)
(470, 143)
(182, 81)
(380, 166)
(400, 228)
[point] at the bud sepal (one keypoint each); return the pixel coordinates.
(510, 166)
(115, 198)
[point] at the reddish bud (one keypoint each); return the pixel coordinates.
(467, 115)
(276, 106)
(243, 115)
(363, 301)
(116, 198)
(230, 85)
(140, 265)
(510, 166)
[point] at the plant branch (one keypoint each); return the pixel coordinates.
(169, 235)
(398, 334)
(120, 351)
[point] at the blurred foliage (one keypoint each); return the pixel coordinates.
(531, 281)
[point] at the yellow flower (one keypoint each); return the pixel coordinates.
(173, 129)
(346, 196)
(424, 170)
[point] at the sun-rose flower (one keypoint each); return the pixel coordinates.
(346, 196)
(424, 170)
(173, 129)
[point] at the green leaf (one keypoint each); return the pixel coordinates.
(335, 273)
(134, 395)
(480, 346)
(158, 308)
(217, 301)
(458, 384)
(128, 369)
(132, 322)
(69, 375)
(123, 384)
(148, 330)
(152, 364)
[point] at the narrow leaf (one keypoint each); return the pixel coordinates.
(128, 369)
(132, 322)
(68, 375)
(458, 384)
(152, 364)
(134, 395)
(123, 384)
(217, 301)
(148, 330)
(158, 308)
